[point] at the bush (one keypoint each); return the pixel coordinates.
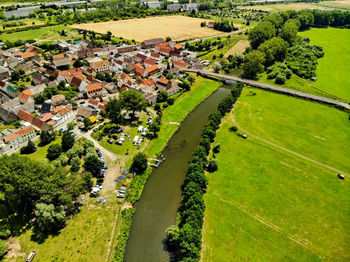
(213, 165)
(217, 148)
(3, 248)
(75, 164)
(29, 149)
(170, 100)
(233, 129)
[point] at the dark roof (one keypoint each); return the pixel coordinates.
(153, 41)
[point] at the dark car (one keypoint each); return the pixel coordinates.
(110, 141)
(100, 138)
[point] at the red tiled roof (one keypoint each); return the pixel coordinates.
(46, 117)
(93, 101)
(57, 109)
(148, 82)
(165, 50)
(65, 111)
(101, 107)
(100, 63)
(75, 71)
(93, 87)
(57, 97)
(155, 55)
(163, 81)
(59, 56)
(151, 68)
(19, 133)
(179, 63)
(150, 61)
(28, 55)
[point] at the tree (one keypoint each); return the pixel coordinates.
(3, 248)
(132, 100)
(289, 31)
(168, 39)
(275, 19)
(40, 98)
(87, 123)
(169, 76)
(205, 143)
(275, 49)
(46, 137)
(15, 75)
(70, 126)
(29, 149)
(75, 164)
(253, 64)
(209, 132)
(162, 96)
(262, 32)
(49, 219)
(154, 128)
(212, 165)
(172, 238)
(139, 163)
(216, 148)
(191, 79)
(67, 141)
(199, 178)
(170, 100)
(113, 110)
(93, 164)
(53, 151)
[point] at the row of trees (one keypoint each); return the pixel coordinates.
(185, 239)
(224, 26)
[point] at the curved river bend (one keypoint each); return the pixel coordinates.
(157, 208)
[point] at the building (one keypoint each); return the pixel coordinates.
(151, 43)
(28, 117)
(4, 73)
(57, 99)
(94, 89)
(18, 137)
(101, 66)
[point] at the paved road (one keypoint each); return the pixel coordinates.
(278, 89)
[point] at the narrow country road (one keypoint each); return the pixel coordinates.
(274, 88)
(285, 149)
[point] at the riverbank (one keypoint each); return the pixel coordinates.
(172, 119)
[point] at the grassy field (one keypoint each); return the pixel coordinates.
(238, 48)
(173, 115)
(333, 69)
(40, 153)
(341, 4)
(85, 238)
(28, 22)
(47, 33)
(177, 27)
(266, 204)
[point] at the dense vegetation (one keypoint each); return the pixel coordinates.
(32, 189)
(275, 39)
(185, 240)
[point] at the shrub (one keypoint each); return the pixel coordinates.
(213, 165)
(54, 152)
(139, 163)
(233, 129)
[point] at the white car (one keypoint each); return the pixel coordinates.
(120, 196)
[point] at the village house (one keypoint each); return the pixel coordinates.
(151, 43)
(61, 60)
(95, 89)
(57, 99)
(18, 137)
(85, 112)
(101, 66)
(39, 79)
(4, 73)
(36, 122)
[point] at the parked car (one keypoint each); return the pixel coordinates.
(244, 136)
(341, 176)
(120, 196)
(95, 129)
(100, 138)
(105, 167)
(110, 141)
(122, 192)
(123, 188)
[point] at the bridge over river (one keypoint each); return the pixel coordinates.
(274, 88)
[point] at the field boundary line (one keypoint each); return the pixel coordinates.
(286, 149)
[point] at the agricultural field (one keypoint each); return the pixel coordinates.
(276, 195)
(176, 27)
(47, 33)
(238, 48)
(333, 69)
(345, 4)
(175, 114)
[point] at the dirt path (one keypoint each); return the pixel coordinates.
(286, 149)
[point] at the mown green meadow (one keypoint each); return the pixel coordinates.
(333, 69)
(266, 204)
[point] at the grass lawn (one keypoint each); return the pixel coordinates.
(265, 204)
(175, 114)
(4, 127)
(333, 69)
(51, 32)
(40, 153)
(85, 238)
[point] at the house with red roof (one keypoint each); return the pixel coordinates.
(101, 66)
(18, 137)
(152, 70)
(28, 117)
(94, 89)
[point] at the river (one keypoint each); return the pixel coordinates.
(157, 208)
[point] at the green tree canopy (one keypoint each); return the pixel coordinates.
(113, 110)
(139, 163)
(67, 141)
(275, 49)
(54, 151)
(132, 100)
(253, 64)
(262, 32)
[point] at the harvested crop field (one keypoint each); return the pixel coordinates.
(238, 48)
(176, 27)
